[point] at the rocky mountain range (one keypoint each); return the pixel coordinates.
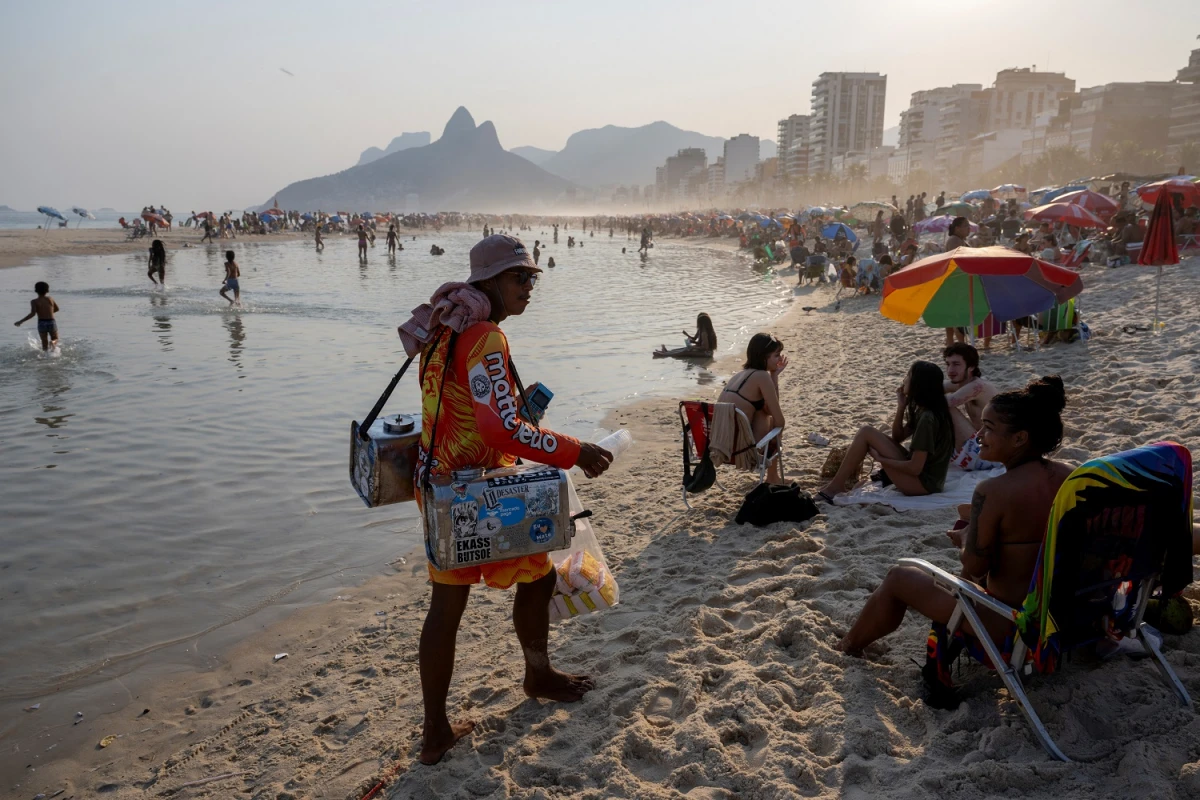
(465, 170)
(401, 142)
(535, 154)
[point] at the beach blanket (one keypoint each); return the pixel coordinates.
(959, 488)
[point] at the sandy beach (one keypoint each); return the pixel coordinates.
(717, 676)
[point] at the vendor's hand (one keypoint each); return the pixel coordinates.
(593, 459)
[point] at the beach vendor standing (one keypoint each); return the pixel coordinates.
(470, 396)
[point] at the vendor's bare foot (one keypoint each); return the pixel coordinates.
(436, 745)
(555, 685)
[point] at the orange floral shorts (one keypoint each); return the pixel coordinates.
(498, 574)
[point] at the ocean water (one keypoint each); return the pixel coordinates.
(180, 465)
(32, 219)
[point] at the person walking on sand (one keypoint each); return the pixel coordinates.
(232, 273)
(43, 307)
(157, 263)
(466, 379)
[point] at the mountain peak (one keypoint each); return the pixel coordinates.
(461, 122)
(486, 136)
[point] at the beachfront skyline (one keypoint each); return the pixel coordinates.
(120, 106)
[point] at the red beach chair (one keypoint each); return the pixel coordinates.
(696, 418)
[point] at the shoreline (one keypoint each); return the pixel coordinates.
(717, 674)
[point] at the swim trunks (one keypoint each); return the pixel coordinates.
(498, 574)
(48, 326)
(231, 284)
(967, 457)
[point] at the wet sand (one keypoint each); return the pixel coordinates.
(717, 677)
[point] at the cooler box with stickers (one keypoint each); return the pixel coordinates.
(480, 516)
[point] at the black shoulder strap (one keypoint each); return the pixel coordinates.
(369, 420)
(512, 370)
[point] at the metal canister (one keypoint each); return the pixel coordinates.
(382, 465)
(480, 516)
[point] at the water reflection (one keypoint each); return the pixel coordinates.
(237, 337)
(51, 388)
(162, 323)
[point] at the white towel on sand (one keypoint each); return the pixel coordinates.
(959, 488)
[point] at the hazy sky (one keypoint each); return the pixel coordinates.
(183, 103)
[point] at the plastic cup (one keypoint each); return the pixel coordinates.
(617, 443)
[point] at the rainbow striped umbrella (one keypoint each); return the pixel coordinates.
(956, 288)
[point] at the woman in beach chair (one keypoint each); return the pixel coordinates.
(701, 345)
(755, 390)
(999, 537)
(923, 414)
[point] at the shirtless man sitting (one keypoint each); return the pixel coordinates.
(1002, 535)
(967, 394)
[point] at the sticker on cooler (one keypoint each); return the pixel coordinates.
(542, 530)
(463, 517)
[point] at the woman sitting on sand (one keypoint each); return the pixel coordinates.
(922, 413)
(702, 345)
(755, 390)
(1002, 534)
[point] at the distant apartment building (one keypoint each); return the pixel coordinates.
(1019, 95)
(1184, 126)
(920, 128)
(959, 121)
(792, 132)
(1117, 111)
(676, 170)
(847, 116)
(716, 178)
(741, 158)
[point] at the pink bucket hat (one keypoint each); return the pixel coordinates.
(497, 253)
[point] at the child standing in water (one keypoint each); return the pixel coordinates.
(43, 307)
(232, 273)
(392, 240)
(362, 242)
(320, 241)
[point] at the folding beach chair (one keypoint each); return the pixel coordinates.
(696, 418)
(1120, 526)
(1074, 259)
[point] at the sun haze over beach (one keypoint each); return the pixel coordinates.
(662, 400)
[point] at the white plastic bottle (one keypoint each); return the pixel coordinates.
(617, 443)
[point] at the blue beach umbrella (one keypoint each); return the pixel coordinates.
(830, 231)
(51, 212)
(1048, 197)
(976, 194)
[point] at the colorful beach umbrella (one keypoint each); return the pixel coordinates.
(1067, 214)
(961, 287)
(1158, 248)
(1183, 185)
(976, 194)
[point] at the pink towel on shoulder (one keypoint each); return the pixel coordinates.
(454, 305)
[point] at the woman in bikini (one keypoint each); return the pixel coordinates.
(1000, 534)
(755, 390)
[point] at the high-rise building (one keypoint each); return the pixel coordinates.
(847, 116)
(919, 122)
(1019, 95)
(741, 157)
(1114, 112)
(959, 121)
(792, 131)
(1185, 115)
(677, 168)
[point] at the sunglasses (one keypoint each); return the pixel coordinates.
(524, 276)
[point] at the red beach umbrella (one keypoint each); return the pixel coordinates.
(1159, 246)
(1067, 213)
(1100, 205)
(1183, 185)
